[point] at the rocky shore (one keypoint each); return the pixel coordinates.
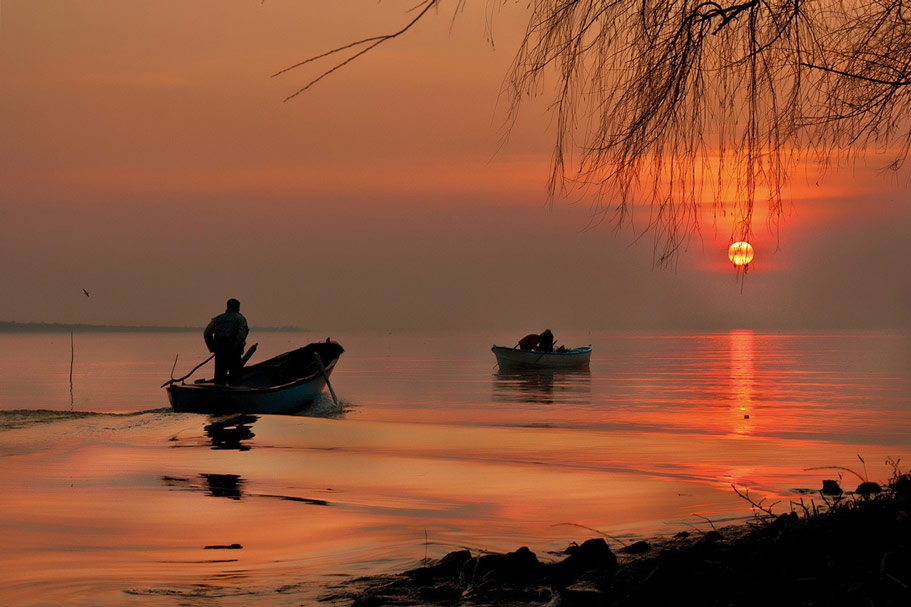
(854, 551)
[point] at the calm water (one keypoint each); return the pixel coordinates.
(111, 499)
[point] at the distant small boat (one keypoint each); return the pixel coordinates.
(514, 357)
(278, 385)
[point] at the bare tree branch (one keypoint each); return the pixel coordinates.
(680, 103)
(369, 44)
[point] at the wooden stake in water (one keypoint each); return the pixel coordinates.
(72, 358)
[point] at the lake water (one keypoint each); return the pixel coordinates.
(109, 498)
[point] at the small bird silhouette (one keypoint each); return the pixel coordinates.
(86, 292)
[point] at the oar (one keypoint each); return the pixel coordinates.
(543, 353)
(171, 381)
(322, 369)
(243, 361)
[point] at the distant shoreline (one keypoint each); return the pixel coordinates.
(52, 327)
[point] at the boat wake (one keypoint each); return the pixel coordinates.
(323, 407)
(22, 418)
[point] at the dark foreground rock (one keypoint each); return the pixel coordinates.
(857, 553)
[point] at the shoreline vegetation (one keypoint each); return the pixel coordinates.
(52, 327)
(853, 548)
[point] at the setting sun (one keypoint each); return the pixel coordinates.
(740, 253)
(371, 195)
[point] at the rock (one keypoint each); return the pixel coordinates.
(447, 568)
(592, 554)
(518, 566)
(441, 593)
(867, 489)
(367, 600)
(708, 542)
(783, 520)
(581, 594)
(639, 547)
(830, 487)
(901, 486)
(896, 564)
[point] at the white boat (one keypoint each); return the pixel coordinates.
(279, 385)
(514, 357)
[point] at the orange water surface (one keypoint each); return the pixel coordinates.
(109, 498)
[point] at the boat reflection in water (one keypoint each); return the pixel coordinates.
(228, 432)
(230, 486)
(224, 432)
(224, 485)
(542, 386)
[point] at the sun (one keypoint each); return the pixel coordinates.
(740, 253)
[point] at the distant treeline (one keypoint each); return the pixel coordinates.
(53, 327)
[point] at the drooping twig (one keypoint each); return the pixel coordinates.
(368, 45)
(707, 520)
(838, 468)
(756, 505)
(592, 529)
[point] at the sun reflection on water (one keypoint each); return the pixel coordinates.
(741, 381)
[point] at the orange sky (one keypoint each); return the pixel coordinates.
(147, 156)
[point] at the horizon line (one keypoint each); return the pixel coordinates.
(10, 326)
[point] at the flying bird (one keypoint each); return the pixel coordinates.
(86, 292)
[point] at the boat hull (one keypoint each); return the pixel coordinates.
(530, 359)
(257, 395)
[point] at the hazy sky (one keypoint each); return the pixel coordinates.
(147, 156)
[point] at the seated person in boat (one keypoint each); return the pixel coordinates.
(545, 341)
(542, 343)
(226, 337)
(528, 342)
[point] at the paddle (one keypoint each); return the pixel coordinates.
(243, 361)
(172, 381)
(322, 369)
(537, 360)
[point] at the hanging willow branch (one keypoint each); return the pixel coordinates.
(361, 47)
(681, 102)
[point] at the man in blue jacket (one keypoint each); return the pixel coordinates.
(226, 336)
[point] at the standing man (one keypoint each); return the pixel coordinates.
(226, 336)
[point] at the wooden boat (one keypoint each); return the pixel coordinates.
(533, 359)
(278, 385)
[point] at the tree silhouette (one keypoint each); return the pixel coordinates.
(680, 102)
